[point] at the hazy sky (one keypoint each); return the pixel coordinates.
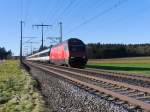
(105, 21)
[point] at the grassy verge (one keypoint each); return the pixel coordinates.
(17, 92)
(138, 65)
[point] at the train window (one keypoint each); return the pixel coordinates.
(77, 48)
(44, 54)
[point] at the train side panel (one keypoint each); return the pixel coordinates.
(58, 55)
(42, 56)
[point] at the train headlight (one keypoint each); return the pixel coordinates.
(84, 57)
(71, 57)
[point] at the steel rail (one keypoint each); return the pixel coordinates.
(109, 73)
(146, 78)
(146, 90)
(139, 81)
(133, 101)
(117, 72)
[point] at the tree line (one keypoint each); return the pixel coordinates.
(102, 51)
(4, 54)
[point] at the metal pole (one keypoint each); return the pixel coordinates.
(31, 48)
(42, 36)
(21, 43)
(42, 30)
(60, 32)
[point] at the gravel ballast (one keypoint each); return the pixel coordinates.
(62, 96)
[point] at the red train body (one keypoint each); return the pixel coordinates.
(71, 52)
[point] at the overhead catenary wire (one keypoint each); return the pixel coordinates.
(49, 9)
(78, 4)
(29, 39)
(98, 3)
(70, 4)
(116, 5)
(55, 11)
(74, 6)
(28, 6)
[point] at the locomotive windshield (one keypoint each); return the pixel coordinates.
(77, 48)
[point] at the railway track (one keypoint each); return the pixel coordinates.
(130, 96)
(138, 80)
(123, 74)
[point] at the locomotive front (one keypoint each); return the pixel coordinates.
(77, 51)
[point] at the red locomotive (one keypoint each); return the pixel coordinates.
(71, 52)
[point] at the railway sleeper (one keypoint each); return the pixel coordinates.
(127, 92)
(119, 102)
(104, 95)
(111, 99)
(120, 90)
(132, 108)
(143, 98)
(113, 88)
(107, 86)
(147, 101)
(93, 91)
(135, 94)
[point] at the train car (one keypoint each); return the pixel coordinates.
(42, 56)
(71, 52)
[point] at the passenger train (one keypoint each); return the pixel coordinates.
(71, 52)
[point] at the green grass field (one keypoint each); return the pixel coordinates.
(137, 65)
(17, 92)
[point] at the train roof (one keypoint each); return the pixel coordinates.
(41, 52)
(70, 39)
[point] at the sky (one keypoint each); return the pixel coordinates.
(93, 21)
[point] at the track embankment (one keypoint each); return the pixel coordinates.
(128, 96)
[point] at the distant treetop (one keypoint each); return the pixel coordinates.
(5, 54)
